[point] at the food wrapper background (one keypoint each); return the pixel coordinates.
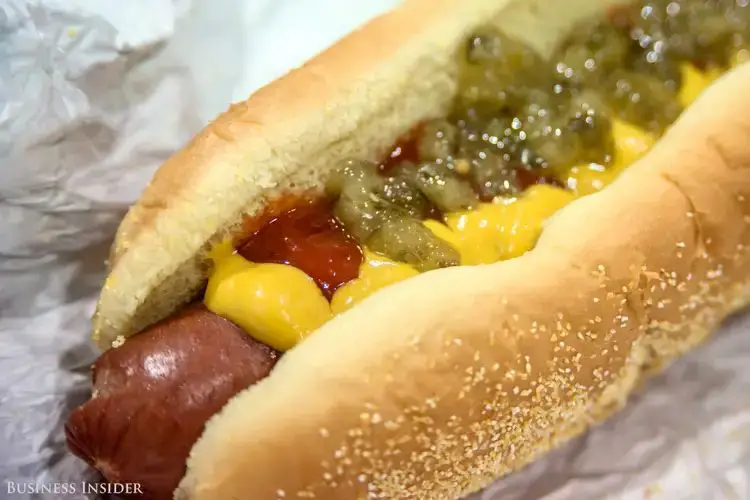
(95, 94)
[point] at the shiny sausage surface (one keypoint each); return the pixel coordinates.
(153, 395)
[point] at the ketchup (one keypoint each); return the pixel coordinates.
(309, 238)
(405, 149)
(527, 178)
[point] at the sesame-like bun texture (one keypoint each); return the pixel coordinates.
(434, 387)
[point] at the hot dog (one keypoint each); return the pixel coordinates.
(433, 222)
(155, 393)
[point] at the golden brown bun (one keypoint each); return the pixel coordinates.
(434, 387)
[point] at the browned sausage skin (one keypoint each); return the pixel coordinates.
(153, 395)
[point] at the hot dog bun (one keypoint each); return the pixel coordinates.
(434, 387)
(354, 100)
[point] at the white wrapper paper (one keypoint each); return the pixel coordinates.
(95, 94)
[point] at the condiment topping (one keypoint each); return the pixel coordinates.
(525, 136)
(309, 238)
(276, 304)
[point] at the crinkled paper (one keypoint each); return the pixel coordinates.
(95, 94)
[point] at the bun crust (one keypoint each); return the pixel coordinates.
(438, 385)
(434, 387)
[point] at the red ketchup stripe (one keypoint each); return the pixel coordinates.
(405, 149)
(309, 238)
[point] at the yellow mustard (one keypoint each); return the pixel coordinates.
(276, 304)
(631, 143)
(506, 228)
(376, 272)
(694, 82)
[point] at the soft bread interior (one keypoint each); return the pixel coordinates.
(352, 101)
